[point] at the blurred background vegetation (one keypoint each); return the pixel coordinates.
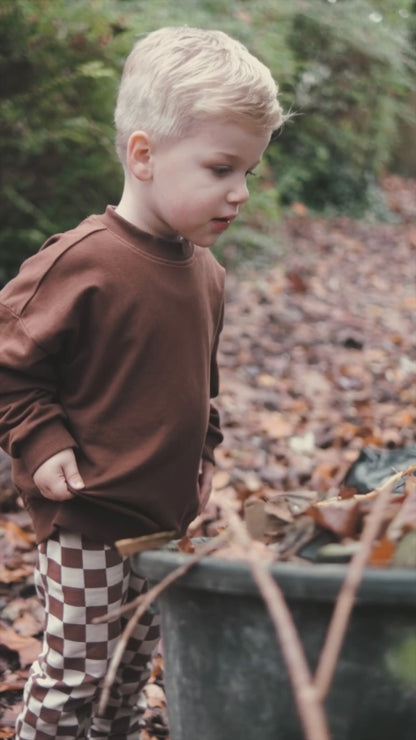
(345, 68)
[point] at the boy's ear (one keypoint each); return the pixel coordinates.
(139, 155)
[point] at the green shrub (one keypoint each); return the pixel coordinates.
(59, 66)
(353, 78)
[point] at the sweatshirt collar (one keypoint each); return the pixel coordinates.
(173, 251)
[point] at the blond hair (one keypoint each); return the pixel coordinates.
(178, 75)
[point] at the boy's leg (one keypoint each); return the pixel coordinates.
(120, 720)
(80, 580)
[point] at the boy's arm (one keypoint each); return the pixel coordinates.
(205, 482)
(214, 435)
(32, 422)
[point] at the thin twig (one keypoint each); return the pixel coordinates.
(142, 603)
(344, 604)
(310, 710)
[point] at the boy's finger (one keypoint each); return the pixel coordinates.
(57, 492)
(73, 477)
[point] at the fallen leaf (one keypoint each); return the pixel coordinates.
(405, 519)
(27, 648)
(298, 501)
(338, 515)
(9, 717)
(255, 518)
(186, 545)
(20, 608)
(220, 480)
(6, 732)
(13, 682)
(15, 535)
(264, 380)
(27, 626)
(155, 696)
(9, 575)
(382, 553)
(405, 555)
(276, 426)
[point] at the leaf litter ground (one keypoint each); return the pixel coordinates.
(317, 362)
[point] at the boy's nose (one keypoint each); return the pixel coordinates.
(239, 194)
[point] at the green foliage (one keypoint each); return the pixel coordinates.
(59, 67)
(354, 73)
(344, 68)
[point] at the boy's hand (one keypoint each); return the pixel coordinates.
(58, 475)
(205, 482)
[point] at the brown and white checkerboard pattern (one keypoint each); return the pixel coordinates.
(79, 580)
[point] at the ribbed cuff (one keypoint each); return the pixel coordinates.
(46, 441)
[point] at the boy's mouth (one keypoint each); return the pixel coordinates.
(228, 219)
(225, 219)
(221, 224)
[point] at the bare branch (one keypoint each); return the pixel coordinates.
(141, 604)
(310, 710)
(336, 631)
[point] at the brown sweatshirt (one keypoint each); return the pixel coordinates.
(108, 340)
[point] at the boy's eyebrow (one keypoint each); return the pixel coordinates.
(235, 158)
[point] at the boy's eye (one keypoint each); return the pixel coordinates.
(224, 170)
(221, 170)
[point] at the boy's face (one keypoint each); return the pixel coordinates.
(198, 184)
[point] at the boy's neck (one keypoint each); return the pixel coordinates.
(132, 207)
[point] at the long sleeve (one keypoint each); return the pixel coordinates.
(214, 435)
(39, 324)
(32, 421)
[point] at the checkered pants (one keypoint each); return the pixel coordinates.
(78, 581)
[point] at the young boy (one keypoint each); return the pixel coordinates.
(108, 343)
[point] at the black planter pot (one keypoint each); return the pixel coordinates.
(225, 677)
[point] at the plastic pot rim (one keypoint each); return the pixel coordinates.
(314, 581)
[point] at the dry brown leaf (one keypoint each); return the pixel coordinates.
(155, 696)
(27, 626)
(276, 425)
(279, 510)
(298, 501)
(27, 648)
(264, 380)
(347, 492)
(338, 515)
(403, 417)
(13, 682)
(220, 480)
(16, 536)
(9, 575)
(9, 717)
(157, 667)
(405, 519)
(186, 545)
(17, 608)
(255, 518)
(6, 732)
(382, 553)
